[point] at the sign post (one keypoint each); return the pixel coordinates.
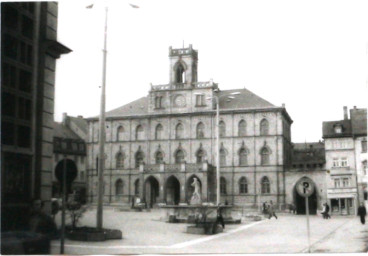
(305, 188)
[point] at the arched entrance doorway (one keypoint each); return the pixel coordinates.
(71, 174)
(172, 195)
(299, 201)
(190, 188)
(151, 192)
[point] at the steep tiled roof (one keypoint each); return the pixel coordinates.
(80, 122)
(246, 99)
(137, 107)
(62, 131)
(308, 153)
(328, 130)
(359, 121)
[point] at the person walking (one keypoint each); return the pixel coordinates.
(362, 212)
(271, 211)
(328, 216)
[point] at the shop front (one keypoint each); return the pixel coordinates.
(342, 204)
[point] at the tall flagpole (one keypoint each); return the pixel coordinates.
(101, 157)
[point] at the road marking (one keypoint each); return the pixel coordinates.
(179, 245)
(325, 237)
(112, 246)
(208, 238)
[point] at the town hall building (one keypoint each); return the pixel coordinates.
(156, 145)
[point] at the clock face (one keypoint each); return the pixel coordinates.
(179, 100)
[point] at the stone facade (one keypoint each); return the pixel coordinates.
(164, 140)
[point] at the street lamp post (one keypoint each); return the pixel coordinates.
(217, 98)
(102, 134)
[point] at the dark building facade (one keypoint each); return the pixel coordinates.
(28, 59)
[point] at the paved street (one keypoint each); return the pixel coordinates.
(144, 233)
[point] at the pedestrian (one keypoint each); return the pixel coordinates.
(264, 208)
(292, 208)
(271, 211)
(362, 212)
(40, 222)
(328, 216)
(323, 212)
(219, 218)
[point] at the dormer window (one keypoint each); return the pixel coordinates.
(338, 128)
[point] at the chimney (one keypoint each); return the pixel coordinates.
(65, 119)
(283, 105)
(354, 107)
(81, 117)
(346, 113)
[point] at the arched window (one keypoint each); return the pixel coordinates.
(200, 156)
(119, 187)
(222, 127)
(180, 74)
(264, 127)
(243, 185)
(120, 133)
(223, 185)
(136, 187)
(242, 128)
(200, 130)
(265, 156)
(243, 157)
(179, 156)
(139, 157)
(139, 133)
(119, 160)
(265, 185)
(159, 157)
(158, 133)
(179, 130)
(222, 157)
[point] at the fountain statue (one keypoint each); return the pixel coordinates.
(196, 197)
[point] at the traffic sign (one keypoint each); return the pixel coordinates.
(305, 187)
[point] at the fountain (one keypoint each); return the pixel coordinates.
(202, 214)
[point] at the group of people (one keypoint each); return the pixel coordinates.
(268, 208)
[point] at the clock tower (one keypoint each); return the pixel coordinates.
(184, 93)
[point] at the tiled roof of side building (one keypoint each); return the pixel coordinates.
(80, 122)
(62, 131)
(308, 153)
(359, 121)
(328, 129)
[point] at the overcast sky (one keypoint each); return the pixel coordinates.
(310, 55)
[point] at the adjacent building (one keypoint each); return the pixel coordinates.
(69, 145)
(156, 145)
(28, 62)
(345, 155)
(308, 161)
